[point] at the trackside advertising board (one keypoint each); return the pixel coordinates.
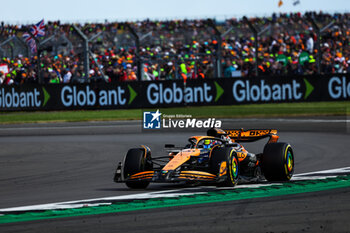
(155, 94)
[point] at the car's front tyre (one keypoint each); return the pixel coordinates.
(228, 156)
(135, 161)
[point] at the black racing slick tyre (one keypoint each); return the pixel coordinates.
(136, 160)
(277, 162)
(229, 156)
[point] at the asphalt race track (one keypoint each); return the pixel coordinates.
(46, 163)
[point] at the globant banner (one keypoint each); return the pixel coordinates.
(157, 94)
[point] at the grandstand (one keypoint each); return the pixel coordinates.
(283, 44)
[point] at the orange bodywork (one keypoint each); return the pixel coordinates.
(185, 175)
(171, 173)
(273, 139)
(142, 175)
(252, 135)
(223, 168)
(195, 175)
(181, 158)
(241, 155)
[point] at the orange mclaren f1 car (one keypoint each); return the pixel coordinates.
(216, 158)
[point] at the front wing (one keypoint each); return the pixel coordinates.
(161, 176)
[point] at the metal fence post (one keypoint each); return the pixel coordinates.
(218, 69)
(93, 56)
(25, 45)
(98, 65)
(8, 41)
(176, 68)
(255, 32)
(318, 41)
(86, 50)
(2, 28)
(2, 52)
(137, 52)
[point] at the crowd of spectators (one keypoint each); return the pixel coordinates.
(182, 49)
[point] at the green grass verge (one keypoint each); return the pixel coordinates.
(340, 108)
(287, 188)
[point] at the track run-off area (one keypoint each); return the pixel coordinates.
(59, 178)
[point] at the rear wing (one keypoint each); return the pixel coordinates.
(251, 135)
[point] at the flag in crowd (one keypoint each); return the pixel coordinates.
(296, 2)
(280, 3)
(30, 42)
(37, 30)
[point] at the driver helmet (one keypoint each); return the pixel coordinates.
(209, 144)
(206, 144)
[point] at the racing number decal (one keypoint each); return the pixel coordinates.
(241, 155)
(288, 161)
(223, 168)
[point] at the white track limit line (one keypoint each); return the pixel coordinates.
(167, 193)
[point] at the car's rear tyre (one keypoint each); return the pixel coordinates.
(136, 160)
(277, 162)
(229, 156)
